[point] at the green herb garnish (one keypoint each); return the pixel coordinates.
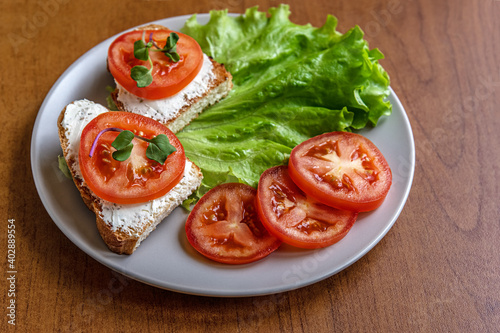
(141, 74)
(170, 49)
(158, 150)
(123, 145)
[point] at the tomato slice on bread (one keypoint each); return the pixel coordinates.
(296, 218)
(168, 77)
(224, 226)
(341, 169)
(137, 179)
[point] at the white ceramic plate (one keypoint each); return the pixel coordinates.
(165, 259)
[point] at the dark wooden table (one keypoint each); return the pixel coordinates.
(438, 268)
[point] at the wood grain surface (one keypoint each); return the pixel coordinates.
(438, 268)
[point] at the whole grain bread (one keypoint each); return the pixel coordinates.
(122, 239)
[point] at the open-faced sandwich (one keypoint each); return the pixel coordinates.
(129, 192)
(165, 75)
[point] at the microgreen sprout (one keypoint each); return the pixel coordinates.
(143, 75)
(158, 150)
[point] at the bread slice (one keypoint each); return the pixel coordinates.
(122, 227)
(212, 83)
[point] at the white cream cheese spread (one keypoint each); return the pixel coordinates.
(162, 110)
(78, 114)
(132, 218)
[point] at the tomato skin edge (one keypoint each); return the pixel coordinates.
(135, 200)
(324, 198)
(158, 89)
(228, 261)
(302, 245)
(336, 202)
(127, 121)
(192, 239)
(294, 242)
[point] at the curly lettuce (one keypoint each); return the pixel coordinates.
(291, 82)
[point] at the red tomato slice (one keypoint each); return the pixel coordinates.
(294, 217)
(168, 77)
(225, 227)
(341, 169)
(137, 179)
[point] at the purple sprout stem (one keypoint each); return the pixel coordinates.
(110, 129)
(94, 144)
(152, 41)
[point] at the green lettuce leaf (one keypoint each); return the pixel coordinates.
(63, 166)
(291, 82)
